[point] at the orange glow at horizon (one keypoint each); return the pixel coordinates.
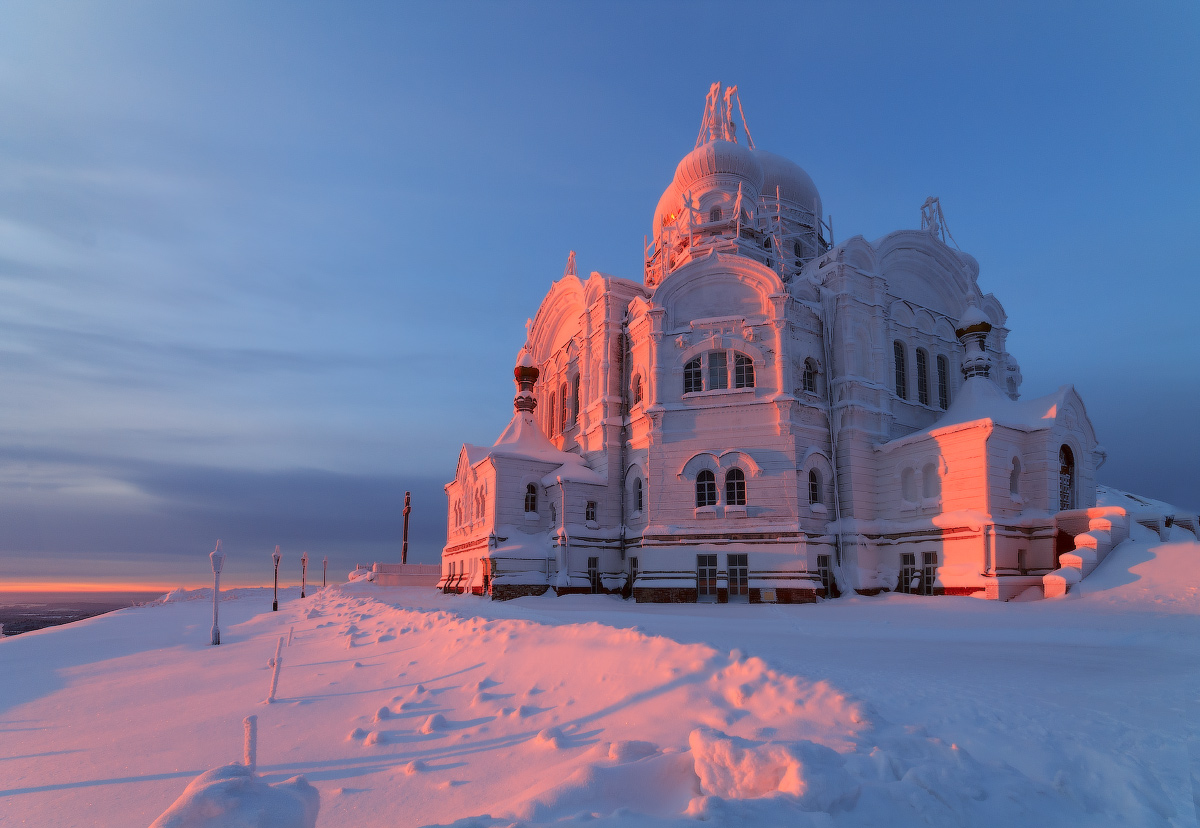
(104, 586)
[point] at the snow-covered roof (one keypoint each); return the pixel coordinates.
(523, 440)
(981, 400)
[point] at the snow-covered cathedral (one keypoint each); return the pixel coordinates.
(769, 416)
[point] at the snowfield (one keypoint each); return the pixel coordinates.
(406, 707)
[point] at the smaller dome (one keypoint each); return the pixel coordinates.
(795, 185)
(719, 158)
(973, 320)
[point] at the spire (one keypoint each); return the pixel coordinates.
(717, 123)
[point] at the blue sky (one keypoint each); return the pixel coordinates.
(265, 266)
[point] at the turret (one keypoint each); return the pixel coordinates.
(972, 332)
(525, 375)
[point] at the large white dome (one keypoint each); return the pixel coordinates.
(795, 185)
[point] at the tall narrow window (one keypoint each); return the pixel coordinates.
(809, 377)
(718, 370)
(714, 214)
(531, 498)
(735, 488)
(692, 377)
(637, 494)
(1014, 479)
(706, 489)
(637, 390)
(575, 399)
(943, 369)
(589, 512)
(798, 250)
(743, 371)
(922, 376)
(901, 370)
(1066, 479)
(814, 487)
(562, 413)
(550, 421)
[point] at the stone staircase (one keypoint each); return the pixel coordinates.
(1097, 532)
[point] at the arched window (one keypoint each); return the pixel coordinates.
(943, 369)
(637, 494)
(1014, 479)
(814, 487)
(743, 371)
(809, 377)
(908, 485)
(575, 399)
(718, 370)
(637, 390)
(706, 489)
(550, 421)
(1066, 479)
(931, 483)
(735, 488)
(922, 376)
(714, 214)
(692, 377)
(901, 370)
(531, 498)
(562, 407)
(589, 511)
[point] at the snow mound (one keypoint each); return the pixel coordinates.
(234, 797)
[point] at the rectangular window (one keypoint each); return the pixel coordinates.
(575, 399)
(706, 577)
(908, 572)
(692, 381)
(929, 573)
(562, 424)
(590, 511)
(825, 573)
(739, 577)
(922, 377)
(594, 573)
(718, 370)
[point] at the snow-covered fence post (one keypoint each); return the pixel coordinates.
(277, 662)
(217, 559)
(291, 630)
(303, 572)
(250, 743)
(324, 569)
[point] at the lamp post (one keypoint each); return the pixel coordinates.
(303, 572)
(217, 558)
(275, 557)
(324, 569)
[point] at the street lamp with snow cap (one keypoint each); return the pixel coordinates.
(303, 572)
(275, 557)
(217, 558)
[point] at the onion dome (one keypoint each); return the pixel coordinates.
(668, 207)
(972, 332)
(795, 185)
(973, 321)
(718, 158)
(525, 374)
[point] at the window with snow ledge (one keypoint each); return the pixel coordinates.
(931, 483)
(1014, 481)
(589, 515)
(908, 487)
(706, 489)
(712, 372)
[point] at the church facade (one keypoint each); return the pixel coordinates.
(769, 416)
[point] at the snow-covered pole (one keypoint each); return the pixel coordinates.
(277, 662)
(250, 743)
(324, 569)
(303, 572)
(291, 631)
(216, 558)
(275, 557)
(404, 543)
